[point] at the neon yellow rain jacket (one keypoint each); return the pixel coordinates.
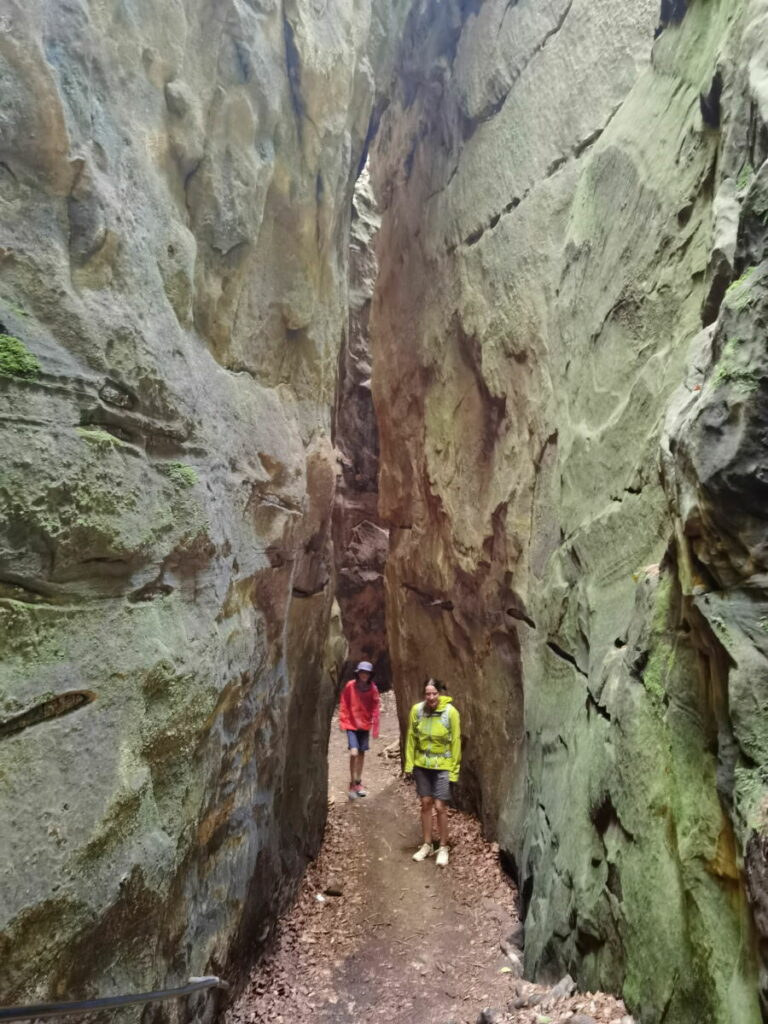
(434, 740)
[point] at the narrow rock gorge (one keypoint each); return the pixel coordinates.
(570, 383)
(561, 323)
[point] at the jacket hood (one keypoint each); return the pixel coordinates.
(443, 701)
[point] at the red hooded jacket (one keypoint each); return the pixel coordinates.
(359, 709)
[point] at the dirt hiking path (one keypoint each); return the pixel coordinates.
(403, 943)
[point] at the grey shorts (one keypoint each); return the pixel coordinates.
(433, 782)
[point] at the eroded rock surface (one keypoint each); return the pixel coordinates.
(175, 192)
(571, 191)
(360, 540)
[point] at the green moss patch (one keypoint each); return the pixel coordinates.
(16, 360)
(730, 370)
(99, 438)
(181, 474)
(657, 672)
(745, 380)
(740, 294)
(745, 177)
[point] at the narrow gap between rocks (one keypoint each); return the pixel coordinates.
(374, 936)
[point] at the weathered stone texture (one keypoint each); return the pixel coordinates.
(175, 188)
(360, 540)
(564, 202)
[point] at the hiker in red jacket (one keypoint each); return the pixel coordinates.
(358, 715)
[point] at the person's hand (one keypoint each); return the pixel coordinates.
(408, 776)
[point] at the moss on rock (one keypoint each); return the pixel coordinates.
(745, 176)
(16, 360)
(100, 438)
(730, 368)
(182, 474)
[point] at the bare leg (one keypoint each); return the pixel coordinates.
(426, 818)
(442, 821)
(360, 763)
(352, 766)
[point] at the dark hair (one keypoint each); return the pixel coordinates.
(438, 684)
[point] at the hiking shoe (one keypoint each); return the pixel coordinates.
(360, 789)
(353, 794)
(424, 851)
(442, 857)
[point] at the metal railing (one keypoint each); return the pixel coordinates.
(108, 1002)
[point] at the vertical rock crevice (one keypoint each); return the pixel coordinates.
(360, 539)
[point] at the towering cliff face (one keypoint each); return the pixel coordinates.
(175, 187)
(360, 540)
(571, 386)
(576, 503)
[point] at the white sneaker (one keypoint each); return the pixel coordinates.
(442, 857)
(353, 794)
(423, 852)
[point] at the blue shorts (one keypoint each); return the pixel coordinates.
(358, 739)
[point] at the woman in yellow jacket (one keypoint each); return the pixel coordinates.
(433, 755)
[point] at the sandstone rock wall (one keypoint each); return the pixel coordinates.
(175, 188)
(568, 188)
(360, 539)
